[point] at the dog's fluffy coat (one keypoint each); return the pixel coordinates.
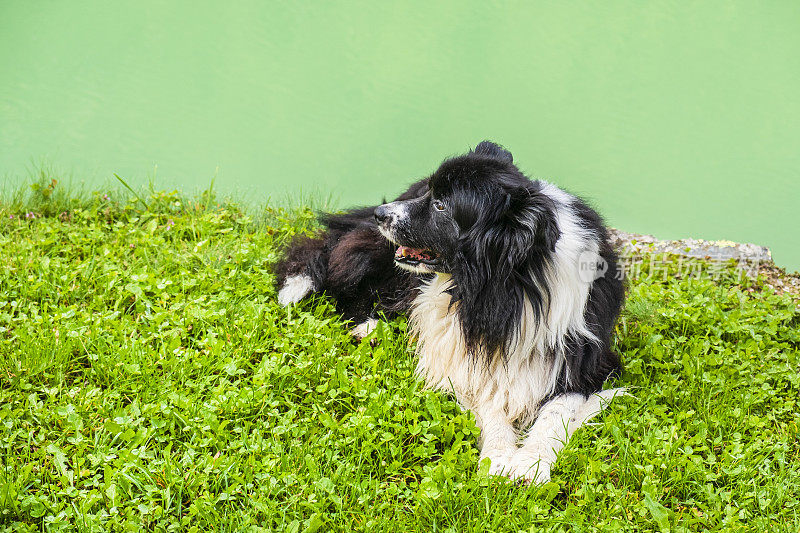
(514, 298)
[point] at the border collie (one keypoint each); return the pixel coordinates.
(513, 291)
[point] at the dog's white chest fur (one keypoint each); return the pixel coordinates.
(515, 388)
(504, 397)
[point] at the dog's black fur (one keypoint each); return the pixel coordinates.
(497, 236)
(353, 263)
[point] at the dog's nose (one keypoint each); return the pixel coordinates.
(381, 213)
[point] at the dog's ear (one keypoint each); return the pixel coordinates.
(494, 150)
(500, 268)
(528, 218)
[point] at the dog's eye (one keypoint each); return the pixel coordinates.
(438, 205)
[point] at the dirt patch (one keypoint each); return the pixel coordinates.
(780, 281)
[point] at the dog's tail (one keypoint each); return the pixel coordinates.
(302, 269)
(306, 265)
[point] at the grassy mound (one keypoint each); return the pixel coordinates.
(148, 378)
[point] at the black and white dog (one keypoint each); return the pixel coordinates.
(513, 292)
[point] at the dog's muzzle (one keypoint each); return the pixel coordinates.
(414, 259)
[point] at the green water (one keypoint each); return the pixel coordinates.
(674, 118)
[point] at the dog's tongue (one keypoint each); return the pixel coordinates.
(405, 251)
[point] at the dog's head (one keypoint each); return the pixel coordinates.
(488, 225)
(478, 207)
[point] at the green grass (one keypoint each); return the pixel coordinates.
(148, 379)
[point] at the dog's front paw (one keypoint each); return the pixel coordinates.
(364, 329)
(294, 289)
(499, 462)
(529, 468)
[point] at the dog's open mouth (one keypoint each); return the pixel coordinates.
(415, 256)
